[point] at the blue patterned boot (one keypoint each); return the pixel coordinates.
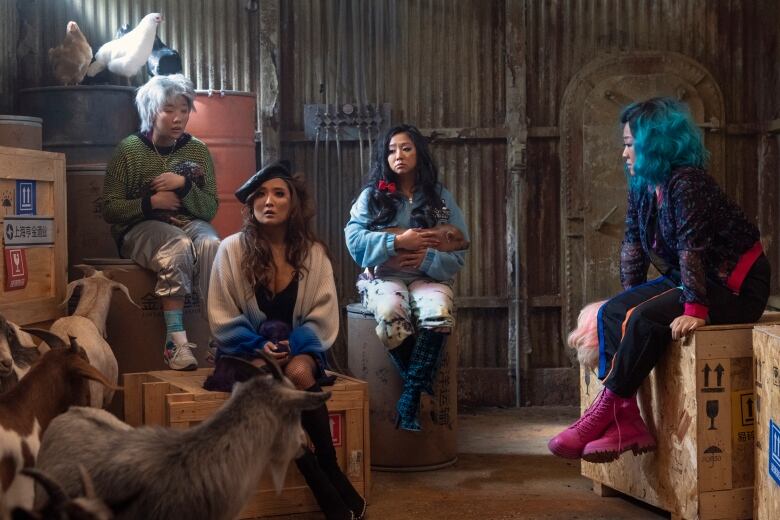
(422, 367)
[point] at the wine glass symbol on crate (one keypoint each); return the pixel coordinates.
(712, 412)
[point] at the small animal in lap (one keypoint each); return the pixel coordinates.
(450, 237)
(191, 171)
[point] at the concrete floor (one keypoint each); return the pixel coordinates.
(504, 471)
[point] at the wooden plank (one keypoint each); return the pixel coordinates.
(766, 367)
(604, 490)
(733, 503)
(154, 402)
(714, 434)
(134, 405)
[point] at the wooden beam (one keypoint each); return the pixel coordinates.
(435, 134)
(519, 343)
(270, 78)
(480, 302)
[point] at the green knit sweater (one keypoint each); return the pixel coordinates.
(126, 194)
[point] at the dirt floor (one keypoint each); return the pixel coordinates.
(504, 471)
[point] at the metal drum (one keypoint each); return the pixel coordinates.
(21, 132)
(225, 121)
(84, 122)
(398, 450)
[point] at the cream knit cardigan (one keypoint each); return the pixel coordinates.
(232, 306)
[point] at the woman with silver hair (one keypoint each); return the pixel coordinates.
(159, 196)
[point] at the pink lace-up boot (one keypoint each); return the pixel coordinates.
(627, 432)
(593, 423)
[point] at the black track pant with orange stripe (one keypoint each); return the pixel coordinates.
(634, 331)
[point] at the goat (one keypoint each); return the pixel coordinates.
(60, 506)
(17, 354)
(206, 472)
(55, 382)
(88, 324)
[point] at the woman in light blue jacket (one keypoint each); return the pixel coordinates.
(410, 287)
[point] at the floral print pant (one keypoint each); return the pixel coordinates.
(400, 307)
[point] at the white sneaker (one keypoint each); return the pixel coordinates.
(179, 357)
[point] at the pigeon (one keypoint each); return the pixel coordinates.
(70, 60)
(163, 61)
(126, 55)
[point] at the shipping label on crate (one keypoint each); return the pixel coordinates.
(336, 428)
(28, 231)
(743, 416)
(25, 197)
(15, 269)
(774, 451)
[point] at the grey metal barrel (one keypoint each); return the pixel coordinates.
(398, 450)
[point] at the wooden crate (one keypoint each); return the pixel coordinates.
(177, 399)
(46, 265)
(703, 468)
(766, 369)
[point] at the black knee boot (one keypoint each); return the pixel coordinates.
(316, 423)
(422, 367)
(324, 491)
(401, 354)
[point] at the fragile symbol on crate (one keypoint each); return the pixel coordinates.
(15, 269)
(712, 412)
(336, 430)
(718, 376)
(774, 451)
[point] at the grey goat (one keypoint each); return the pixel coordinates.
(206, 472)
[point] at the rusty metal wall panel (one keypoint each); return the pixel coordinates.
(404, 53)
(216, 38)
(8, 41)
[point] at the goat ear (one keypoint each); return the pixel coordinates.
(71, 287)
(123, 288)
(301, 400)
(49, 337)
(87, 371)
(56, 494)
(88, 270)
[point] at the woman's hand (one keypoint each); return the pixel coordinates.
(684, 325)
(167, 181)
(415, 239)
(406, 260)
(281, 357)
(167, 200)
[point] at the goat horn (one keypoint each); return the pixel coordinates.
(276, 371)
(123, 288)
(86, 481)
(88, 270)
(49, 337)
(57, 495)
(72, 287)
(74, 346)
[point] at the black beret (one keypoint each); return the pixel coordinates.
(271, 171)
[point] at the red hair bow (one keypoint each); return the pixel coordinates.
(386, 186)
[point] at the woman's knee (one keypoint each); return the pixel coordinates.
(300, 370)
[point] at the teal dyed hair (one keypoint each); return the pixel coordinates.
(665, 138)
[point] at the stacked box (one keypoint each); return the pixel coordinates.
(177, 399)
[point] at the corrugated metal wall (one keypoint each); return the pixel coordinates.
(8, 40)
(217, 39)
(727, 37)
(441, 64)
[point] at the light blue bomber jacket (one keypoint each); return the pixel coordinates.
(373, 248)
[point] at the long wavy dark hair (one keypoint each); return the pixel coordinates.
(258, 266)
(383, 204)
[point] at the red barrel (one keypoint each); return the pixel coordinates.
(225, 121)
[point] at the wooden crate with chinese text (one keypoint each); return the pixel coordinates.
(698, 402)
(35, 250)
(766, 371)
(177, 399)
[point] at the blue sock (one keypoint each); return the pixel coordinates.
(174, 326)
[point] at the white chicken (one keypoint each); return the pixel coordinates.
(70, 60)
(126, 55)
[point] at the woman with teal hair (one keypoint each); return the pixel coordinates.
(713, 271)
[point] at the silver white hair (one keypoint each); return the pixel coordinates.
(158, 91)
